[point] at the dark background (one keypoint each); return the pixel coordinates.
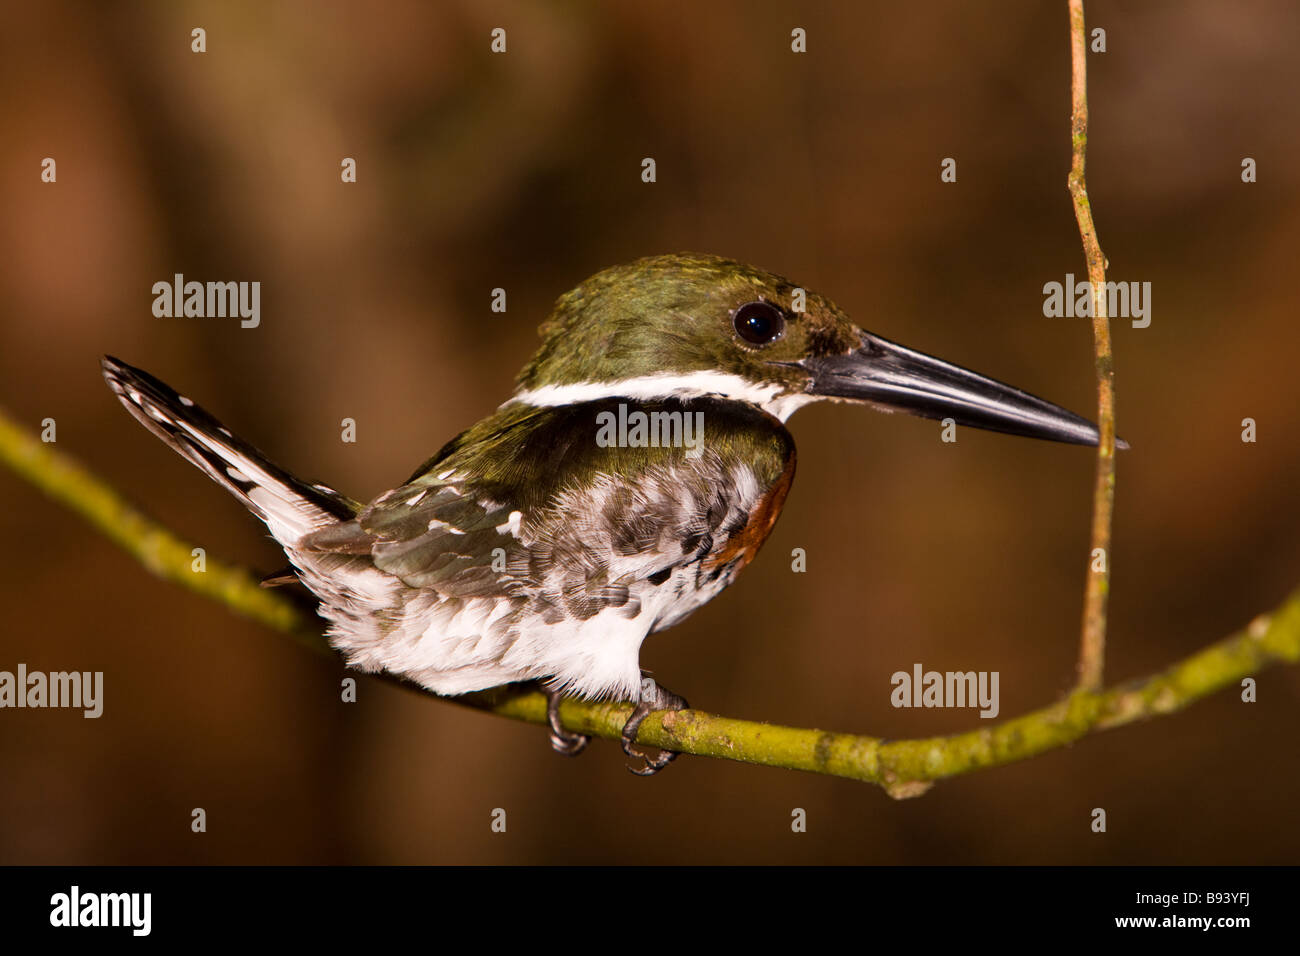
(523, 171)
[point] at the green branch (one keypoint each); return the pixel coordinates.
(903, 767)
(1092, 642)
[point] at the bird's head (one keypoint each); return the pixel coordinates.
(690, 325)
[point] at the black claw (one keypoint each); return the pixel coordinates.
(653, 698)
(562, 741)
(652, 764)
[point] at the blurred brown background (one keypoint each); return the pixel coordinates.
(523, 171)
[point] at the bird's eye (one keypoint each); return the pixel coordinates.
(758, 323)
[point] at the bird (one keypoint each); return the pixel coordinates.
(640, 464)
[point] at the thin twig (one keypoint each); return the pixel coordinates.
(903, 768)
(1092, 644)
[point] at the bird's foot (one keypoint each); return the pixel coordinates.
(562, 741)
(653, 698)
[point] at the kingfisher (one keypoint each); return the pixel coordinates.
(640, 464)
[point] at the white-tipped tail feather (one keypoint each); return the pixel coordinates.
(290, 507)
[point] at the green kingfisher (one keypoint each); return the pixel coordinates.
(640, 464)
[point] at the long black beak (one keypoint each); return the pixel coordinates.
(894, 378)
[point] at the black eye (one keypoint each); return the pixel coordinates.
(758, 323)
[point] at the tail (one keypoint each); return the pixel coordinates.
(290, 507)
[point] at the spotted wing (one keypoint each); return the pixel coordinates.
(536, 511)
(435, 535)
